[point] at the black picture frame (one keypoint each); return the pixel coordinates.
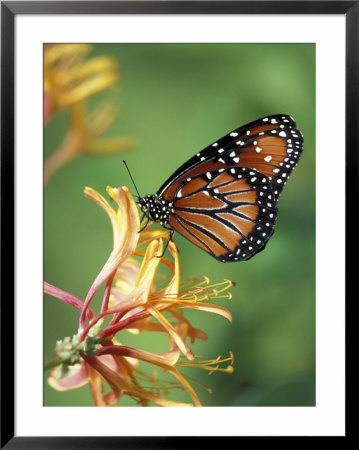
(9, 10)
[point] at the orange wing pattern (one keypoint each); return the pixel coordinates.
(228, 213)
(271, 145)
(224, 198)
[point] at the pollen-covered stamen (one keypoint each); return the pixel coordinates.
(211, 365)
(203, 291)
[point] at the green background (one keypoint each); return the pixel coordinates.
(175, 100)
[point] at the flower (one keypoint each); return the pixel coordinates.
(135, 300)
(70, 79)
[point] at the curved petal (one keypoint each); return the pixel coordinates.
(172, 332)
(172, 288)
(161, 359)
(125, 225)
(110, 399)
(126, 275)
(66, 297)
(78, 377)
(149, 265)
(176, 374)
(207, 307)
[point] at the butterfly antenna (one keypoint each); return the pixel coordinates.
(128, 170)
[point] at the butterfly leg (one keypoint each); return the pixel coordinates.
(169, 240)
(145, 226)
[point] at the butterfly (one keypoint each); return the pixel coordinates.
(224, 199)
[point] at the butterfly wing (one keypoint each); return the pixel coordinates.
(229, 213)
(271, 145)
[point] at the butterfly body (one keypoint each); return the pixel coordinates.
(156, 208)
(224, 199)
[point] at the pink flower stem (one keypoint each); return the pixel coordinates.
(111, 330)
(67, 298)
(90, 325)
(86, 305)
(105, 313)
(107, 373)
(107, 292)
(117, 317)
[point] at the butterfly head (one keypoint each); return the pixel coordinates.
(156, 208)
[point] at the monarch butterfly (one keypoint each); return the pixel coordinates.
(224, 199)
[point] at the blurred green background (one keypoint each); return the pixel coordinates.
(175, 100)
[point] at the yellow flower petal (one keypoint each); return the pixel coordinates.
(186, 385)
(172, 288)
(101, 201)
(149, 264)
(205, 307)
(67, 52)
(172, 332)
(125, 225)
(70, 78)
(125, 280)
(164, 360)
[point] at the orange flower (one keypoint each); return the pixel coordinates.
(133, 301)
(70, 79)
